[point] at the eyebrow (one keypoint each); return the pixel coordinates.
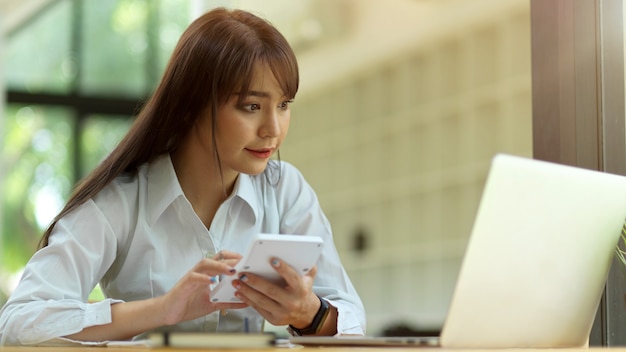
(257, 93)
(254, 93)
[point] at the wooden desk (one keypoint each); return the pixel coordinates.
(304, 349)
(145, 349)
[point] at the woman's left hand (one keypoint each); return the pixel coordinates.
(294, 304)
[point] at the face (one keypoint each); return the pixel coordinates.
(250, 131)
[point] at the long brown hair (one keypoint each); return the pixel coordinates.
(213, 59)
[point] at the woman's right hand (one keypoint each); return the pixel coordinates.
(190, 297)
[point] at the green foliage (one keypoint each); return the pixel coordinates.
(36, 179)
(37, 151)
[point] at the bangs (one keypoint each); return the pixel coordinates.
(283, 67)
(256, 42)
(285, 71)
(218, 54)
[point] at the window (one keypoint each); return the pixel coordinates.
(76, 73)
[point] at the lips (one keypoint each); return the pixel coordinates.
(261, 153)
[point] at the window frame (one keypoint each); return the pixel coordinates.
(576, 122)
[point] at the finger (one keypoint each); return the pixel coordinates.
(225, 254)
(211, 267)
(278, 305)
(263, 310)
(258, 292)
(253, 284)
(230, 305)
(273, 309)
(200, 278)
(312, 273)
(231, 262)
(291, 276)
(218, 256)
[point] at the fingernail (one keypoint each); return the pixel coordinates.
(213, 279)
(243, 278)
(232, 271)
(275, 262)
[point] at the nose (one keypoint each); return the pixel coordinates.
(270, 128)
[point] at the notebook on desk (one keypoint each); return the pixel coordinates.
(536, 262)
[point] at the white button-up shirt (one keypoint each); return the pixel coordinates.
(140, 235)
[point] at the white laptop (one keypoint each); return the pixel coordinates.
(536, 262)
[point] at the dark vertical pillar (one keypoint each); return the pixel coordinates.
(578, 110)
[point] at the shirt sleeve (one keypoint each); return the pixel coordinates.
(301, 214)
(51, 298)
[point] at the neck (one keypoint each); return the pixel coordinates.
(201, 181)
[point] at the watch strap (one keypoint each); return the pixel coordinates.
(318, 320)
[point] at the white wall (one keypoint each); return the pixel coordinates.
(400, 148)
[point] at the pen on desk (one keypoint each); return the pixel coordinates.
(246, 326)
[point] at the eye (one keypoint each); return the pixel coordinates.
(285, 104)
(250, 107)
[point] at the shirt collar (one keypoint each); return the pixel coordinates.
(164, 188)
(246, 190)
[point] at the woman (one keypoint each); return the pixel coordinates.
(179, 198)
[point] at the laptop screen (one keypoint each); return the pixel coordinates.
(538, 256)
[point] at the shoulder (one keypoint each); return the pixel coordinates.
(122, 189)
(284, 175)
(142, 195)
(290, 171)
(289, 183)
(103, 217)
(118, 201)
(297, 203)
(130, 186)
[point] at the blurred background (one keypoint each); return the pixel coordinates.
(402, 105)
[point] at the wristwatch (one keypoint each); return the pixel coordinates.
(318, 320)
